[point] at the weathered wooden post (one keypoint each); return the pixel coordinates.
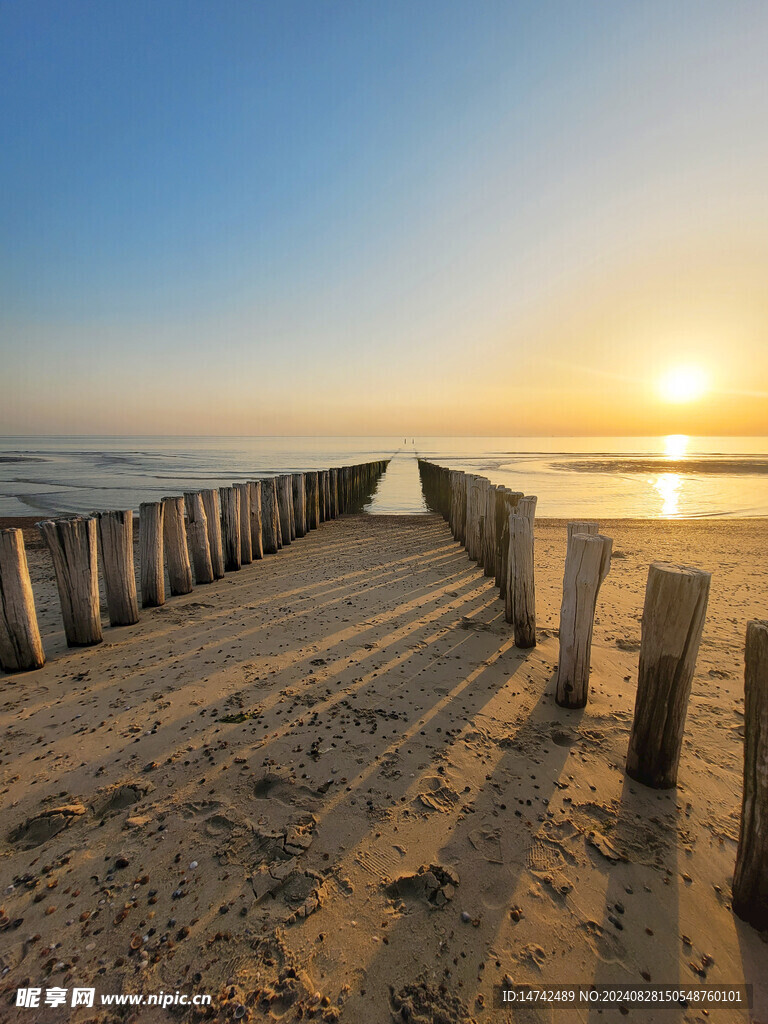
(586, 566)
(280, 540)
(489, 532)
(270, 521)
(213, 523)
(246, 548)
(313, 501)
(750, 880)
(284, 505)
(299, 504)
(175, 542)
(673, 618)
(151, 560)
(474, 524)
(520, 603)
(320, 498)
(288, 490)
(230, 527)
(526, 506)
(333, 476)
(20, 645)
(511, 500)
(257, 547)
(500, 516)
(197, 532)
(115, 533)
(327, 514)
(581, 526)
(72, 544)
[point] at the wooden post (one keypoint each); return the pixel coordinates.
(526, 506)
(520, 603)
(151, 562)
(270, 521)
(72, 544)
(586, 566)
(246, 548)
(581, 526)
(326, 497)
(299, 504)
(673, 618)
(474, 523)
(20, 645)
(335, 493)
(213, 525)
(288, 489)
(320, 498)
(280, 540)
(489, 530)
(257, 547)
(284, 506)
(175, 542)
(313, 501)
(197, 531)
(230, 528)
(511, 500)
(115, 532)
(750, 880)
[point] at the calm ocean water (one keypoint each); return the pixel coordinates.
(609, 477)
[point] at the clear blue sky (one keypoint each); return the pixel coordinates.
(425, 216)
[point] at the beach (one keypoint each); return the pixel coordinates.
(329, 786)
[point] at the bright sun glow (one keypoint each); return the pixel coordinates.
(675, 446)
(683, 384)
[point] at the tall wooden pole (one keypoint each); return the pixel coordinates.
(520, 604)
(175, 542)
(20, 646)
(750, 880)
(151, 555)
(270, 521)
(246, 548)
(72, 544)
(230, 528)
(586, 566)
(257, 545)
(299, 504)
(673, 618)
(115, 532)
(197, 532)
(213, 524)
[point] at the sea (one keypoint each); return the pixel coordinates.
(670, 477)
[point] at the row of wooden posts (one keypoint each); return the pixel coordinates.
(221, 530)
(495, 525)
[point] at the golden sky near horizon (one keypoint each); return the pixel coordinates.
(376, 220)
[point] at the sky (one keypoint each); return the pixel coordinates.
(304, 217)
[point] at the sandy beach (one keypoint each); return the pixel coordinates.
(329, 787)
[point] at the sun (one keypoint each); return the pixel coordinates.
(683, 384)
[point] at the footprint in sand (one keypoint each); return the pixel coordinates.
(433, 884)
(116, 798)
(279, 785)
(487, 842)
(607, 946)
(437, 795)
(44, 826)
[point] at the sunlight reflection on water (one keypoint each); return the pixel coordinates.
(668, 486)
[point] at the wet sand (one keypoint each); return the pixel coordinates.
(328, 786)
